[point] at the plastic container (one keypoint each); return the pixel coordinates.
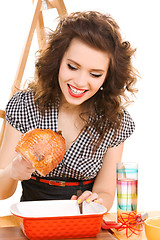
(127, 188)
(152, 228)
(54, 219)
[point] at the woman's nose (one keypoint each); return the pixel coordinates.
(81, 79)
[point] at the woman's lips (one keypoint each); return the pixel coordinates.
(76, 92)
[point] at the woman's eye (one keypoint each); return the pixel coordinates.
(96, 75)
(71, 67)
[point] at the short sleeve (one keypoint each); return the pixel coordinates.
(20, 110)
(127, 127)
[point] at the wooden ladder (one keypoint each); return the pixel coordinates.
(36, 22)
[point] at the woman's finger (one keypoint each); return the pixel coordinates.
(87, 196)
(84, 196)
(99, 200)
(92, 197)
(74, 197)
(27, 163)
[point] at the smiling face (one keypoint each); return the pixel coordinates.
(82, 72)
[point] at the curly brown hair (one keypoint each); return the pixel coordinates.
(101, 32)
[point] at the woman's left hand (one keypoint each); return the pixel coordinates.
(87, 196)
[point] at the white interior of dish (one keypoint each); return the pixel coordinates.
(55, 208)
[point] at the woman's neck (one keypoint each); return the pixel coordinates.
(70, 108)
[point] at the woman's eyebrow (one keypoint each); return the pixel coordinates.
(97, 70)
(73, 62)
(93, 69)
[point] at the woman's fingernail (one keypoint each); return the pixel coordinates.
(88, 200)
(96, 201)
(79, 201)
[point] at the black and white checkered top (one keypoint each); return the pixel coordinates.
(24, 115)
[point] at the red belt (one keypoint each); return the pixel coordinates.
(62, 183)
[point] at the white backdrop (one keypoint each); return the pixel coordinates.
(139, 23)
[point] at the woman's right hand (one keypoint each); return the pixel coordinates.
(20, 169)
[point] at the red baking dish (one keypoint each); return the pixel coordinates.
(55, 219)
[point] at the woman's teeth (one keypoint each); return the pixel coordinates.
(76, 91)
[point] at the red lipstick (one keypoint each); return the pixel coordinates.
(76, 95)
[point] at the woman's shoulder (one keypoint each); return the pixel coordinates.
(23, 96)
(20, 110)
(20, 98)
(126, 129)
(127, 120)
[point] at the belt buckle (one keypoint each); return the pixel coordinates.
(51, 182)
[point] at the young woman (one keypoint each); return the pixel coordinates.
(80, 86)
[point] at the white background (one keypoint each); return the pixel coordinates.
(139, 23)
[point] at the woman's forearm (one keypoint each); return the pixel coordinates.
(8, 184)
(107, 200)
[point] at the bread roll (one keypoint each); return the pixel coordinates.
(43, 147)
